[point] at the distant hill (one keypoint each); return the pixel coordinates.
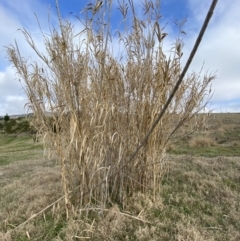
(24, 115)
(19, 116)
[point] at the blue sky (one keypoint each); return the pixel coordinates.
(219, 50)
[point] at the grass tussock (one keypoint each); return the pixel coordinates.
(103, 103)
(202, 141)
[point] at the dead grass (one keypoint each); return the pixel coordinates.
(199, 199)
(202, 141)
(26, 188)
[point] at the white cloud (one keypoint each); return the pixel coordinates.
(13, 16)
(12, 98)
(219, 47)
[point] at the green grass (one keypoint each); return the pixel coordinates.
(207, 151)
(52, 227)
(224, 131)
(206, 191)
(14, 148)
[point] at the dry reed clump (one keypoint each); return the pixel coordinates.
(235, 143)
(202, 141)
(103, 104)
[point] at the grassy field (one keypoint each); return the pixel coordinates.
(198, 199)
(221, 138)
(14, 149)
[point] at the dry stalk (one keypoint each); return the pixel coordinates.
(103, 108)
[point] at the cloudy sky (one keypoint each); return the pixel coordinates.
(219, 50)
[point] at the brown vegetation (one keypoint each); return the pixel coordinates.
(202, 142)
(105, 105)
